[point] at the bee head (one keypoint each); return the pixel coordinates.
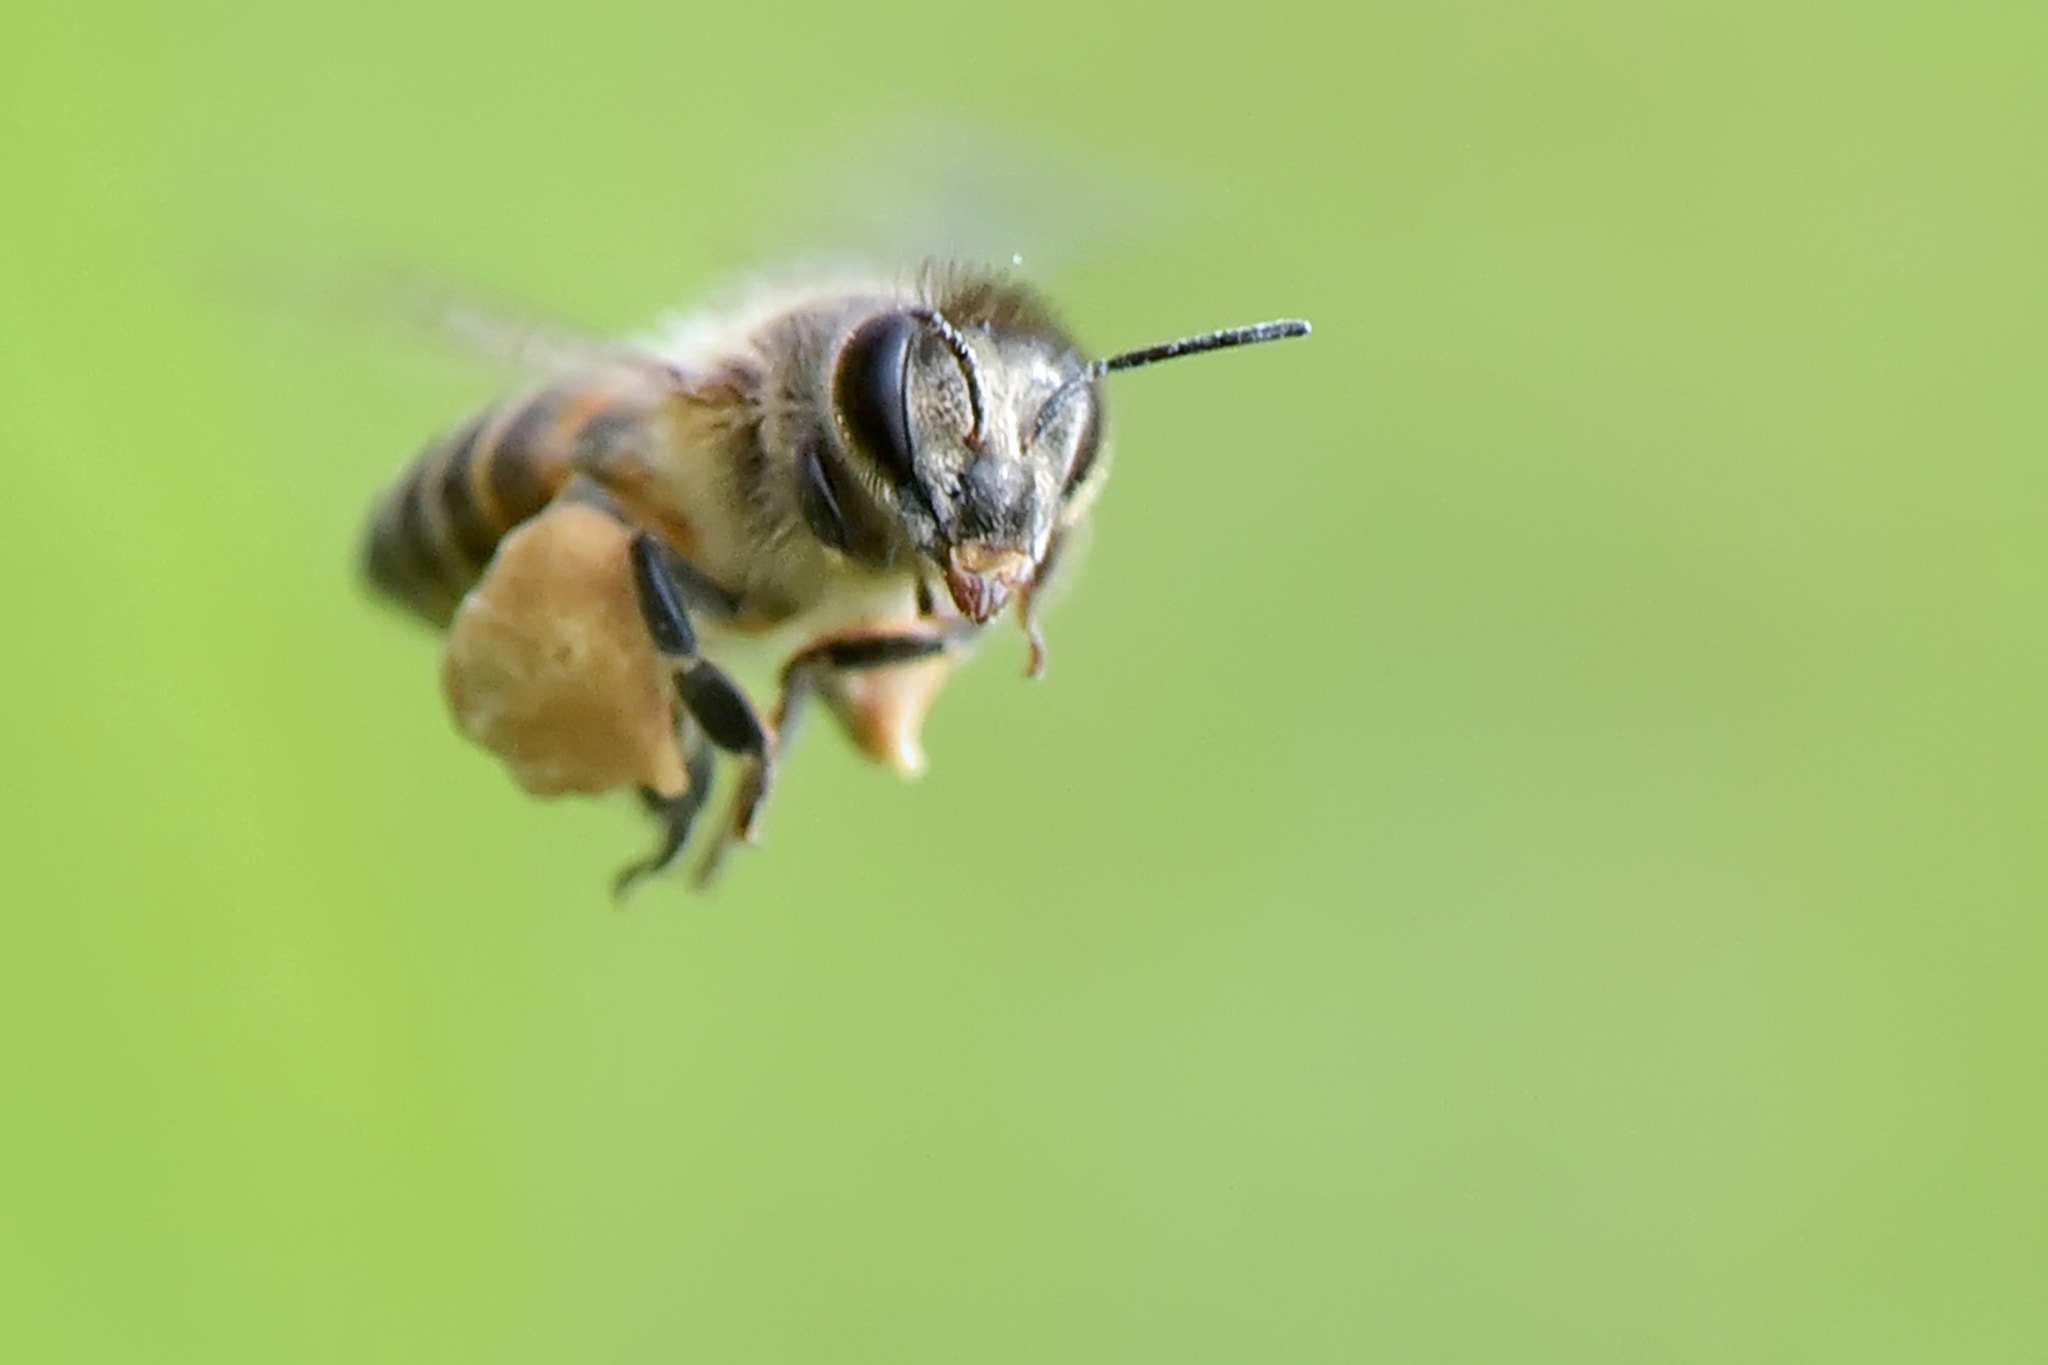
(971, 441)
(962, 445)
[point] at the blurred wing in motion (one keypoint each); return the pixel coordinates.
(927, 186)
(477, 324)
(418, 311)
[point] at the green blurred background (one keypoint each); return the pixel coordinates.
(1530, 849)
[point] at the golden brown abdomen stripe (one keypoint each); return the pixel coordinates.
(437, 527)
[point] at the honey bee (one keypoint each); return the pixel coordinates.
(858, 474)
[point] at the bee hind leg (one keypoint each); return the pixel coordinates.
(707, 694)
(675, 815)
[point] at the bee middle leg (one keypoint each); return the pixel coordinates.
(816, 672)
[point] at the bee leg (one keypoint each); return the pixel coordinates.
(812, 671)
(815, 669)
(692, 586)
(1033, 597)
(708, 695)
(675, 813)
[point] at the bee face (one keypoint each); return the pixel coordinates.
(975, 439)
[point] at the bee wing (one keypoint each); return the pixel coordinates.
(510, 335)
(915, 187)
(428, 313)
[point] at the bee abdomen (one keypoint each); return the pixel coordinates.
(438, 526)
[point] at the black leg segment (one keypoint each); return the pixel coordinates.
(717, 704)
(675, 814)
(661, 600)
(710, 697)
(853, 654)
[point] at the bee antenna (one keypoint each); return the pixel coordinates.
(1209, 341)
(969, 367)
(1277, 330)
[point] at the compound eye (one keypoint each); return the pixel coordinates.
(872, 391)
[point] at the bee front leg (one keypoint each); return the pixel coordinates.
(706, 693)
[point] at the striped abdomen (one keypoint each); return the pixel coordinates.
(436, 529)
